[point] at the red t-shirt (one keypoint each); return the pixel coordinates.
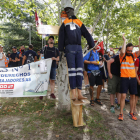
(137, 65)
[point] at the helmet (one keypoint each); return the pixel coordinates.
(68, 5)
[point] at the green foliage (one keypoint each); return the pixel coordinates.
(123, 17)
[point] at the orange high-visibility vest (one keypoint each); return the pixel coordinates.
(127, 67)
(6, 63)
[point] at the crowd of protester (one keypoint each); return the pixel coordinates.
(22, 57)
(121, 71)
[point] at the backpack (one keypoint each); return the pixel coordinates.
(45, 51)
(30, 58)
(85, 65)
(124, 58)
(139, 63)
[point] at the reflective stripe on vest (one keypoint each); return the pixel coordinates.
(130, 68)
(128, 63)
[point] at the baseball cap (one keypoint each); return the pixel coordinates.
(13, 47)
(8, 52)
(51, 37)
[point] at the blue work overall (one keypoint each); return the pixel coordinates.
(74, 58)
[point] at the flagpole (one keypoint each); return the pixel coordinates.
(30, 24)
(42, 41)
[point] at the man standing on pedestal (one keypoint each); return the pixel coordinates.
(69, 42)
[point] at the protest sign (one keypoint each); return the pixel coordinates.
(25, 81)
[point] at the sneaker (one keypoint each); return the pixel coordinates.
(132, 116)
(52, 96)
(117, 107)
(127, 101)
(87, 86)
(112, 109)
(120, 118)
(103, 90)
(41, 97)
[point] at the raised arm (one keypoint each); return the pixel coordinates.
(122, 52)
(138, 52)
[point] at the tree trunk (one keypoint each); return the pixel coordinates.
(62, 78)
(63, 85)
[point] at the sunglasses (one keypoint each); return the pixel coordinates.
(129, 50)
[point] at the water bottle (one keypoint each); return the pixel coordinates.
(42, 56)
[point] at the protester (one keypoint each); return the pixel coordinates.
(51, 52)
(113, 66)
(92, 59)
(8, 54)
(86, 81)
(128, 77)
(110, 52)
(103, 69)
(38, 55)
(3, 60)
(13, 61)
(19, 56)
(29, 56)
(137, 67)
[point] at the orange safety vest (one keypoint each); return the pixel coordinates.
(127, 67)
(6, 63)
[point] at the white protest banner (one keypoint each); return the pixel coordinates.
(25, 81)
(47, 29)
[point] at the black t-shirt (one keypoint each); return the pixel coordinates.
(13, 56)
(20, 62)
(30, 56)
(49, 53)
(115, 66)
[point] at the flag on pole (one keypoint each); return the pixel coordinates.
(100, 48)
(37, 20)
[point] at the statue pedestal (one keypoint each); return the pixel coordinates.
(77, 111)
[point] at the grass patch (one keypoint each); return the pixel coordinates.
(37, 117)
(96, 125)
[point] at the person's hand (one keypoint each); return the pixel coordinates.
(53, 58)
(20, 55)
(101, 63)
(104, 59)
(124, 37)
(110, 76)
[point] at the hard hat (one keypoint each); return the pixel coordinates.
(68, 5)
